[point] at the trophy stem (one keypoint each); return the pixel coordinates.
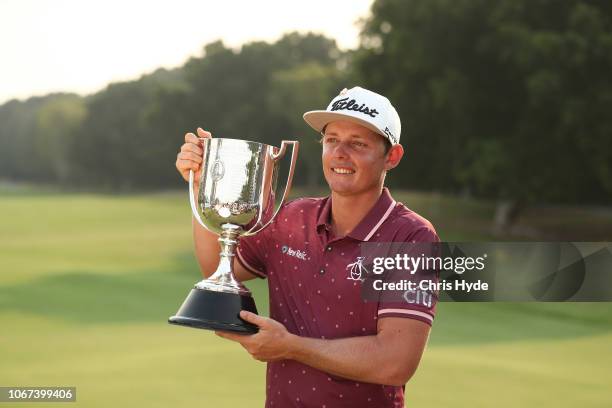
(223, 279)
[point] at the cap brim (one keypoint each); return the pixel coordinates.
(318, 119)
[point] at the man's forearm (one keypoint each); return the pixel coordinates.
(206, 248)
(390, 357)
(363, 359)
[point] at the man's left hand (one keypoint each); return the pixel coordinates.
(272, 343)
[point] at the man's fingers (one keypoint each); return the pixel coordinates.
(190, 156)
(203, 133)
(192, 138)
(190, 147)
(185, 165)
(253, 318)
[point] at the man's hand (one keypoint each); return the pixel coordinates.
(272, 343)
(190, 155)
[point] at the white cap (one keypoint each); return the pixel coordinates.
(361, 106)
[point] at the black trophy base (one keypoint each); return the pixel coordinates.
(210, 310)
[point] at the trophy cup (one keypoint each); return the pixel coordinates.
(236, 198)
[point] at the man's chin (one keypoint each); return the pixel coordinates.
(342, 189)
(351, 189)
(345, 187)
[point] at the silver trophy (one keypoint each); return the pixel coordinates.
(236, 198)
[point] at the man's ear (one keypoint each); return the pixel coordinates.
(394, 155)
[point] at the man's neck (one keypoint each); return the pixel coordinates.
(348, 211)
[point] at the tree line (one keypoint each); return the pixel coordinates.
(506, 100)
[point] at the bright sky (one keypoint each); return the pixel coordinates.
(82, 45)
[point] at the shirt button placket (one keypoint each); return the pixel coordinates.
(327, 249)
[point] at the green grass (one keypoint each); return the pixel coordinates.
(88, 281)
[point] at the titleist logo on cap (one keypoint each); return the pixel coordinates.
(345, 104)
(361, 106)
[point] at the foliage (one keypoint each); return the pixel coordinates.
(507, 99)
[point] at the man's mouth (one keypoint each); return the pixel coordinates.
(342, 170)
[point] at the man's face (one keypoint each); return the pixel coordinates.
(353, 158)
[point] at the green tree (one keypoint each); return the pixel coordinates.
(56, 123)
(117, 145)
(256, 93)
(295, 91)
(506, 99)
(127, 136)
(28, 130)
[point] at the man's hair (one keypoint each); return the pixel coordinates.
(387, 145)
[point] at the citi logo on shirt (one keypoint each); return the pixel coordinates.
(296, 253)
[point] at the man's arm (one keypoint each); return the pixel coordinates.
(207, 250)
(390, 357)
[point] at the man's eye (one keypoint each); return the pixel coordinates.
(359, 144)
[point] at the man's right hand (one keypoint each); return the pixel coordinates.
(190, 155)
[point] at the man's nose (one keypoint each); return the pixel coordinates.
(341, 149)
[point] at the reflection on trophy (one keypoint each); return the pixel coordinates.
(237, 197)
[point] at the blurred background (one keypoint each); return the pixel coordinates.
(505, 109)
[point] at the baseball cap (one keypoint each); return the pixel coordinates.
(363, 107)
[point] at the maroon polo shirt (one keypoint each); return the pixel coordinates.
(313, 294)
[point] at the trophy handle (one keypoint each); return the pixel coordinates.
(295, 145)
(192, 201)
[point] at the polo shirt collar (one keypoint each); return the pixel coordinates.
(369, 224)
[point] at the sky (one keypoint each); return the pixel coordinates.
(81, 46)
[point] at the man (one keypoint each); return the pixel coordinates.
(324, 345)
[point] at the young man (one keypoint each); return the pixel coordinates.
(325, 346)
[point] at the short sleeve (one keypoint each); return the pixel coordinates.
(254, 253)
(251, 253)
(420, 302)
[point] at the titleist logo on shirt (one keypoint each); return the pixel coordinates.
(345, 104)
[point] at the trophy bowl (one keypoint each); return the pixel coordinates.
(236, 198)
